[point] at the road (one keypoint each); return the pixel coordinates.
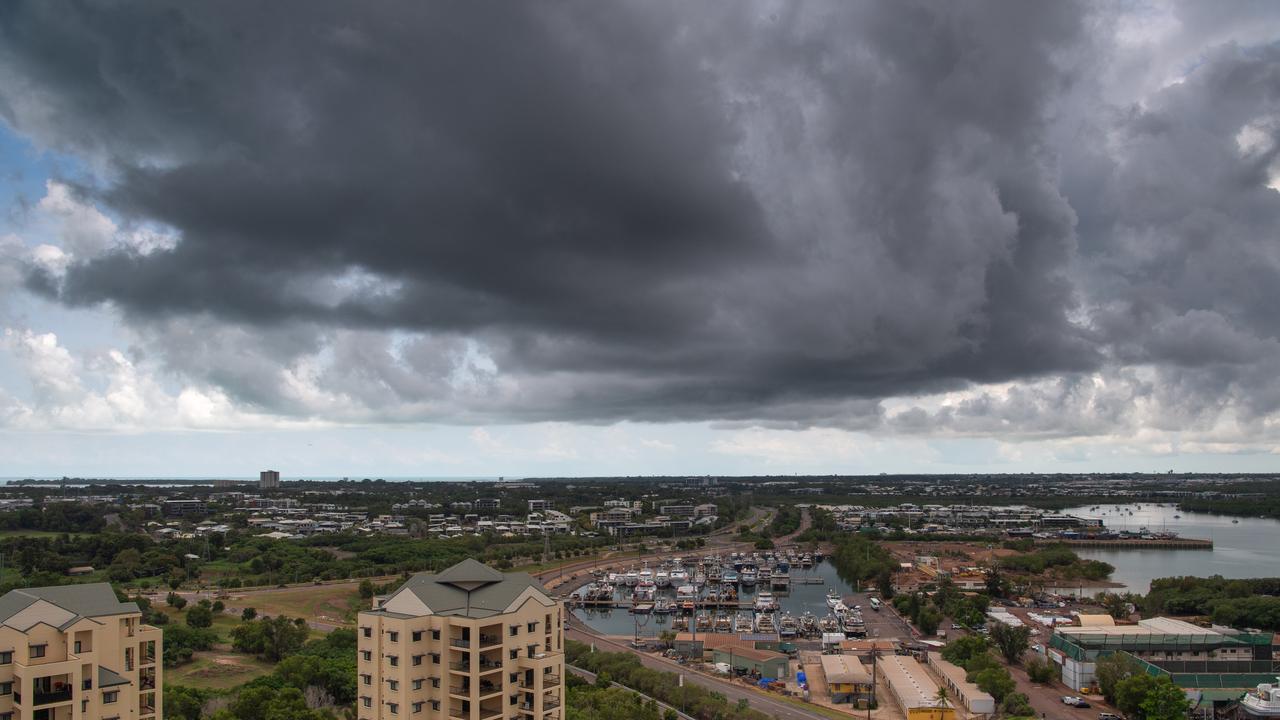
(733, 691)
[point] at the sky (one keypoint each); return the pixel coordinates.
(636, 238)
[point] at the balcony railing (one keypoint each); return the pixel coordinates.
(489, 688)
(460, 643)
(550, 703)
(489, 714)
(486, 665)
(486, 640)
(147, 683)
(463, 667)
(459, 690)
(46, 698)
(549, 680)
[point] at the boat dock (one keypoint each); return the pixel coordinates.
(1153, 543)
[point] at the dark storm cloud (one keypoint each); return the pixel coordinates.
(651, 211)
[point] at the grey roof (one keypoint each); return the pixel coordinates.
(110, 678)
(88, 600)
(469, 589)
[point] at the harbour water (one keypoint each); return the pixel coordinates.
(1242, 547)
(801, 598)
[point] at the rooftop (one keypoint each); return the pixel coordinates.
(468, 589)
(60, 606)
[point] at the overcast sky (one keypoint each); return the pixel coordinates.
(428, 238)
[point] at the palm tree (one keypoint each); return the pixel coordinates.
(942, 697)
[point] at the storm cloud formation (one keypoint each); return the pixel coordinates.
(780, 213)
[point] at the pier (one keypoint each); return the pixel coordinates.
(1135, 543)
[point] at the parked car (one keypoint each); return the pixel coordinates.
(1109, 716)
(1070, 699)
(1082, 703)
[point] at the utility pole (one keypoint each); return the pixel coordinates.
(872, 701)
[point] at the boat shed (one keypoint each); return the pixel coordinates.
(847, 680)
(975, 701)
(761, 663)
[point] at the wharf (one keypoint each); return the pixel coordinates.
(624, 604)
(1136, 543)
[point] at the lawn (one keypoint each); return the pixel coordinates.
(217, 670)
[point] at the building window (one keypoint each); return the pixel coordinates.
(417, 635)
(435, 634)
(367, 632)
(110, 696)
(395, 709)
(394, 660)
(435, 658)
(6, 716)
(515, 630)
(515, 654)
(6, 688)
(395, 636)
(36, 651)
(435, 704)
(366, 701)
(417, 659)
(417, 707)
(435, 682)
(366, 654)
(6, 657)
(533, 626)
(395, 684)
(417, 684)
(366, 679)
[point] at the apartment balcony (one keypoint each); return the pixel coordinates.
(550, 704)
(487, 689)
(487, 666)
(541, 661)
(462, 691)
(490, 640)
(550, 680)
(459, 643)
(490, 713)
(460, 667)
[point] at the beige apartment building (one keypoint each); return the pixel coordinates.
(75, 652)
(469, 643)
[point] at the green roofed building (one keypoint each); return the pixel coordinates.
(1192, 656)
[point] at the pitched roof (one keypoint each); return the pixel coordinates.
(60, 605)
(468, 589)
(110, 678)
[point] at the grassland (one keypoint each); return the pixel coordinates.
(217, 670)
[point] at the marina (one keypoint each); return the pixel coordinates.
(787, 595)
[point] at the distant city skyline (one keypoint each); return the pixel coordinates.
(639, 238)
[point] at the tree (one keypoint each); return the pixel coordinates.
(176, 601)
(928, 620)
(366, 589)
(942, 697)
(1010, 641)
(1110, 670)
(884, 583)
(996, 584)
(1131, 692)
(1040, 671)
(218, 606)
(962, 649)
(200, 617)
(1165, 701)
(1017, 705)
(995, 681)
(248, 614)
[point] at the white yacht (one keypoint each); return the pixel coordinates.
(765, 602)
(1262, 702)
(748, 576)
(631, 579)
(833, 597)
(646, 575)
(662, 579)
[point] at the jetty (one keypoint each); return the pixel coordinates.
(1134, 543)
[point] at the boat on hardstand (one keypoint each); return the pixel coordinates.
(742, 623)
(833, 598)
(787, 626)
(1263, 701)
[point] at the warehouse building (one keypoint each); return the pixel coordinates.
(974, 700)
(1192, 656)
(913, 688)
(847, 680)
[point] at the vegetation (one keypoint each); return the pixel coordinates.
(1241, 603)
(1011, 641)
(1058, 561)
(1041, 671)
(1111, 669)
(973, 653)
(626, 669)
(271, 638)
(1143, 697)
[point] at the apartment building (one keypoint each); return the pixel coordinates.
(75, 651)
(469, 643)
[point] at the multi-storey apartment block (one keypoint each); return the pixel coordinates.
(76, 652)
(469, 643)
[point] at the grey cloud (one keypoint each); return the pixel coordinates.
(652, 211)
